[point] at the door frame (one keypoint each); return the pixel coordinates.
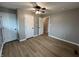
(47, 24)
(2, 28)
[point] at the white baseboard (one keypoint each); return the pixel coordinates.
(26, 38)
(2, 49)
(35, 35)
(22, 40)
(64, 40)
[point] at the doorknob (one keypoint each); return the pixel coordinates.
(32, 28)
(15, 28)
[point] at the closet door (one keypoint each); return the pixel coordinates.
(10, 27)
(13, 26)
(29, 26)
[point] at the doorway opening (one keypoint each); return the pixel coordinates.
(45, 23)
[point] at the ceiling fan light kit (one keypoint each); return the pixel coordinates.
(39, 10)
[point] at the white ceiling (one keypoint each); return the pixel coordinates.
(52, 7)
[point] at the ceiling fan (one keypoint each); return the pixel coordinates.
(38, 9)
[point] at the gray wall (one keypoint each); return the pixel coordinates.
(21, 24)
(65, 25)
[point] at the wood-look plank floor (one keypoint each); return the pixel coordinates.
(40, 46)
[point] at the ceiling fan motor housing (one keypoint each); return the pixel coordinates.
(37, 7)
(43, 8)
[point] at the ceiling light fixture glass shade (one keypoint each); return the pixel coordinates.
(37, 12)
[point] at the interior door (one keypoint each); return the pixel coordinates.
(40, 25)
(10, 27)
(29, 26)
(13, 26)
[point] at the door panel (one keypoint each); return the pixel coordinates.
(10, 27)
(13, 26)
(29, 26)
(40, 26)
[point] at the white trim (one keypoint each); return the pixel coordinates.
(64, 40)
(35, 35)
(40, 34)
(22, 40)
(26, 38)
(2, 49)
(49, 25)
